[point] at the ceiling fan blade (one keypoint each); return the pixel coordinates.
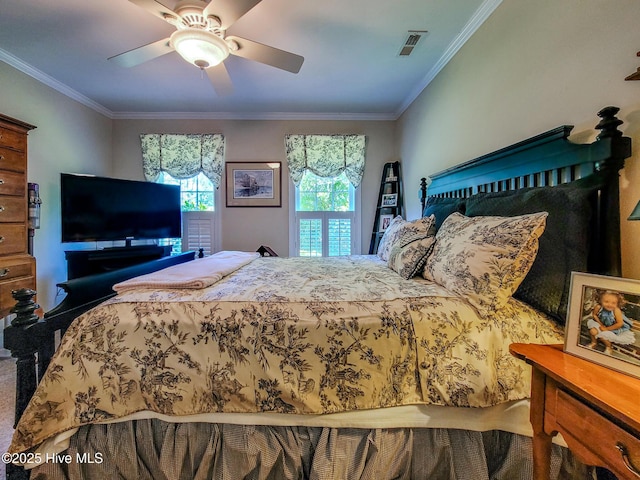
(228, 11)
(267, 55)
(143, 54)
(220, 79)
(155, 8)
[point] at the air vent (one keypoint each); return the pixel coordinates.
(412, 40)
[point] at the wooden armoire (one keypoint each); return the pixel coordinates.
(17, 267)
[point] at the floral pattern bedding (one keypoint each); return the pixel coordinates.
(287, 335)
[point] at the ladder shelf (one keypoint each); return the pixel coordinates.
(390, 203)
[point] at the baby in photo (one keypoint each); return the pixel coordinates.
(608, 323)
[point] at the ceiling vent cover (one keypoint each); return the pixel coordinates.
(411, 41)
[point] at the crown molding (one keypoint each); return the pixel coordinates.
(253, 116)
(51, 82)
(478, 18)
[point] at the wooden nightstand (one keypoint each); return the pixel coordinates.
(596, 409)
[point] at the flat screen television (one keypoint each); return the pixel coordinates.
(109, 209)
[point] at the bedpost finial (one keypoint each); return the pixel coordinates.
(25, 307)
(422, 191)
(609, 124)
(423, 188)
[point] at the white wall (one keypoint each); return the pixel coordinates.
(531, 67)
(69, 138)
(248, 228)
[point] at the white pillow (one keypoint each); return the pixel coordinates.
(484, 259)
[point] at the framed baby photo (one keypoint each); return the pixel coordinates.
(603, 322)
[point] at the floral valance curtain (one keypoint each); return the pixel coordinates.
(326, 156)
(183, 155)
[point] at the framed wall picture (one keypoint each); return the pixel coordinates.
(253, 184)
(385, 221)
(603, 321)
(389, 200)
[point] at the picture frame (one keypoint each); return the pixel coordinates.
(253, 184)
(389, 200)
(384, 222)
(591, 294)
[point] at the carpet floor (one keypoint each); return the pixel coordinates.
(7, 405)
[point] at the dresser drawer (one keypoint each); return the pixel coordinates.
(597, 433)
(17, 266)
(12, 183)
(12, 160)
(13, 209)
(13, 139)
(6, 299)
(13, 239)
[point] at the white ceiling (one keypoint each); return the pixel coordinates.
(351, 70)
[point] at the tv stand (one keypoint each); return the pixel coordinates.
(81, 263)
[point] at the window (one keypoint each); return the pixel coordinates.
(197, 197)
(196, 193)
(325, 217)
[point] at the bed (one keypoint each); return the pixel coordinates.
(393, 365)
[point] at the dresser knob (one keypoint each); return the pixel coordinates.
(2, 208)
(627, 461)
(1, 181)
(1, 157)
(1, 239)
(4, 272)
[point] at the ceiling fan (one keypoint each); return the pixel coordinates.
(200, 38)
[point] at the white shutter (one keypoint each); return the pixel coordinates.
(310, 231)
(198, 231)
(322, 234)
(339, 234)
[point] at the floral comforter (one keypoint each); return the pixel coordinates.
(287, 335)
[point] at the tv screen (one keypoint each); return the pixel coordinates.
(106, 209)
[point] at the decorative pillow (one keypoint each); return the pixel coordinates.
(408, 254)
(484, 259)
(564, 246)
(385, 242)
(442, 208)
(400, 230)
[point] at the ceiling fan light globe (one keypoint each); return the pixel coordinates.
(199, 47)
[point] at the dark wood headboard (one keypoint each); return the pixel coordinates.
(551, 159)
